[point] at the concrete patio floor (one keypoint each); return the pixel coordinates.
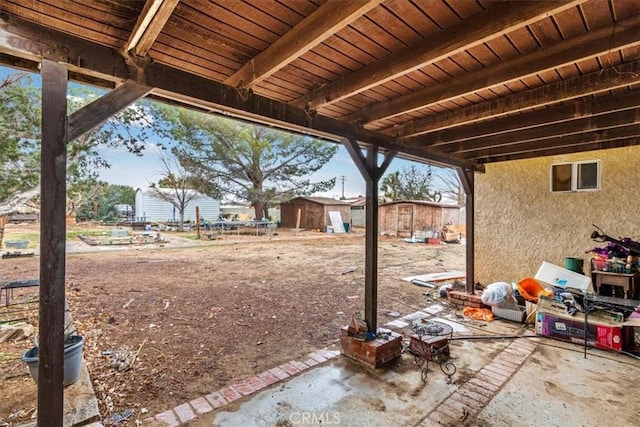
(498, 382)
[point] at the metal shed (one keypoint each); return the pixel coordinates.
(415, 218)
(314, 212)
(150, 207)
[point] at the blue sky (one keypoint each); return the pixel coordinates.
(139, 172)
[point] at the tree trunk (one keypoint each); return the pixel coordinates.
(182, 219)
(259, 210)
(3, 222)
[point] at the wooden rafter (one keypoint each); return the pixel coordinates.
(311, 31)
(564, 113)
(600, 81)
(544, 147)
(564, 130)
(189, 89)
(488, 24)
(588, 45)
(595, 143)
(154, 16)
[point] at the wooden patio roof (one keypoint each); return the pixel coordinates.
(453, 82)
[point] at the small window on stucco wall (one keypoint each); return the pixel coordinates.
(575, 176)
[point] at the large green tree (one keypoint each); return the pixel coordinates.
(103, 201)
(19, 141)
(252, 163)
(20, 116)
(410, 183)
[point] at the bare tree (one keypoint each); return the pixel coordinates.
(177, 186)
(451, 187)
(411, 183)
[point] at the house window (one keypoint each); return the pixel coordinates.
(576, 176)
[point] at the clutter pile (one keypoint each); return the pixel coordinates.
(618, 256)
(563, 304)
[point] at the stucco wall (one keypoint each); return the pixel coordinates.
(519, 223)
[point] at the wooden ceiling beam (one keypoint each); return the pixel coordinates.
(563, 129)
(28, 40)
(187, 89)
(150, 23)
(562, 148)
(589, 45)
(535, 146)
(490, 23)
(581, 108)
(310, 32)
(600, 81)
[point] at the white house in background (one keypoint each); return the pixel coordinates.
(150, 207)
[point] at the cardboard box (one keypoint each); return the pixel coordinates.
(631, 339)
(604, 330)
(631, 335)
(552, 275)
(558, 309)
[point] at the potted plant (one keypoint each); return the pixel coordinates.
(73, 345)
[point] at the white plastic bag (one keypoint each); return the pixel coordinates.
(499, 294)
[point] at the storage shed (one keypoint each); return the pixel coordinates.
(150, 207)
(415, 218)
(314, 212)
(359, 212)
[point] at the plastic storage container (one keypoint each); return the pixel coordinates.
(515, 315)
(72, 361)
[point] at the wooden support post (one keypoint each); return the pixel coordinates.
(467, 180)
(92, 115)
(52, 243)
(371, 173)
(198, 221)
(371, 244)
(57, 127)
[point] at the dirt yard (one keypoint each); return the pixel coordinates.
(194, 316)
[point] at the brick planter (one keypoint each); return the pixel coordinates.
(462, 299)
(374, 353)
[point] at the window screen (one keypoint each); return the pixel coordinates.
(577, 176)
(587, 176)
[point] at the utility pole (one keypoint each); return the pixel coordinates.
(343, 178)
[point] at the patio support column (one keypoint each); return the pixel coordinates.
(371, 172)
(57, 130)
(467, 180)
(52, 243)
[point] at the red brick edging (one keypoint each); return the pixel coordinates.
(466, 403)
(186, 412)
